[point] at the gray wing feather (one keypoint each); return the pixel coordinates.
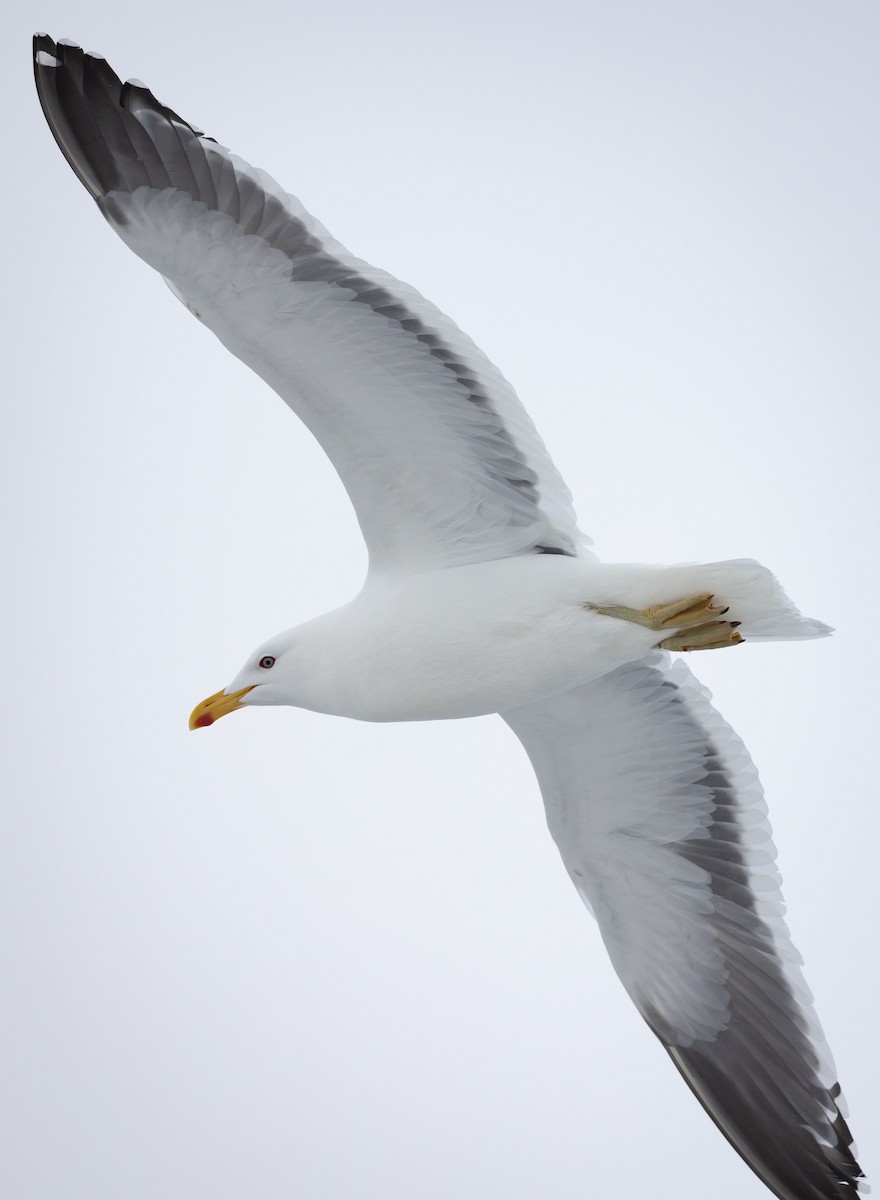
(660, 819)
(441, 460)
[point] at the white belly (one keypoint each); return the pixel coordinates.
(466, 641)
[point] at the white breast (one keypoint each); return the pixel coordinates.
(462, 642)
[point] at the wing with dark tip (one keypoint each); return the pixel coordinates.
(438, 455)
(660, 819)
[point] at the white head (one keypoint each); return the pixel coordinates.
(268, 677)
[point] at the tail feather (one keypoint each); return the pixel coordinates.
(759, 601)
(752, 594)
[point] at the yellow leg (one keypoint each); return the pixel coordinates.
(714, 635)
(695, 617)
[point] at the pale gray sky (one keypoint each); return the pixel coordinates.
(298, 958)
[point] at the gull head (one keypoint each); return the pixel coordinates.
(264, 679)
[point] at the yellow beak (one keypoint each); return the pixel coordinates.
(216, 706)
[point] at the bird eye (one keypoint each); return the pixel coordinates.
(267, 661)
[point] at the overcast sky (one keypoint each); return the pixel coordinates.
(299, 958)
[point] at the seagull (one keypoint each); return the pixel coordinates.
(482, 596)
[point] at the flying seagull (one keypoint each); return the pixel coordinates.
(482, 596)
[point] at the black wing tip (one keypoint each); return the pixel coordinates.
(63, 53)
(45, 55)
(133, 95)
(789, 1168)
(137, 97)
(59, 70)
(102, 125)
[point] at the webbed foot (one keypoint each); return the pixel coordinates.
(714, 635)
(695, 617)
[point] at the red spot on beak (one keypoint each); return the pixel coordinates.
(203, 720)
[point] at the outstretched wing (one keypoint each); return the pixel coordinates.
(660, 819)
(438, 455)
